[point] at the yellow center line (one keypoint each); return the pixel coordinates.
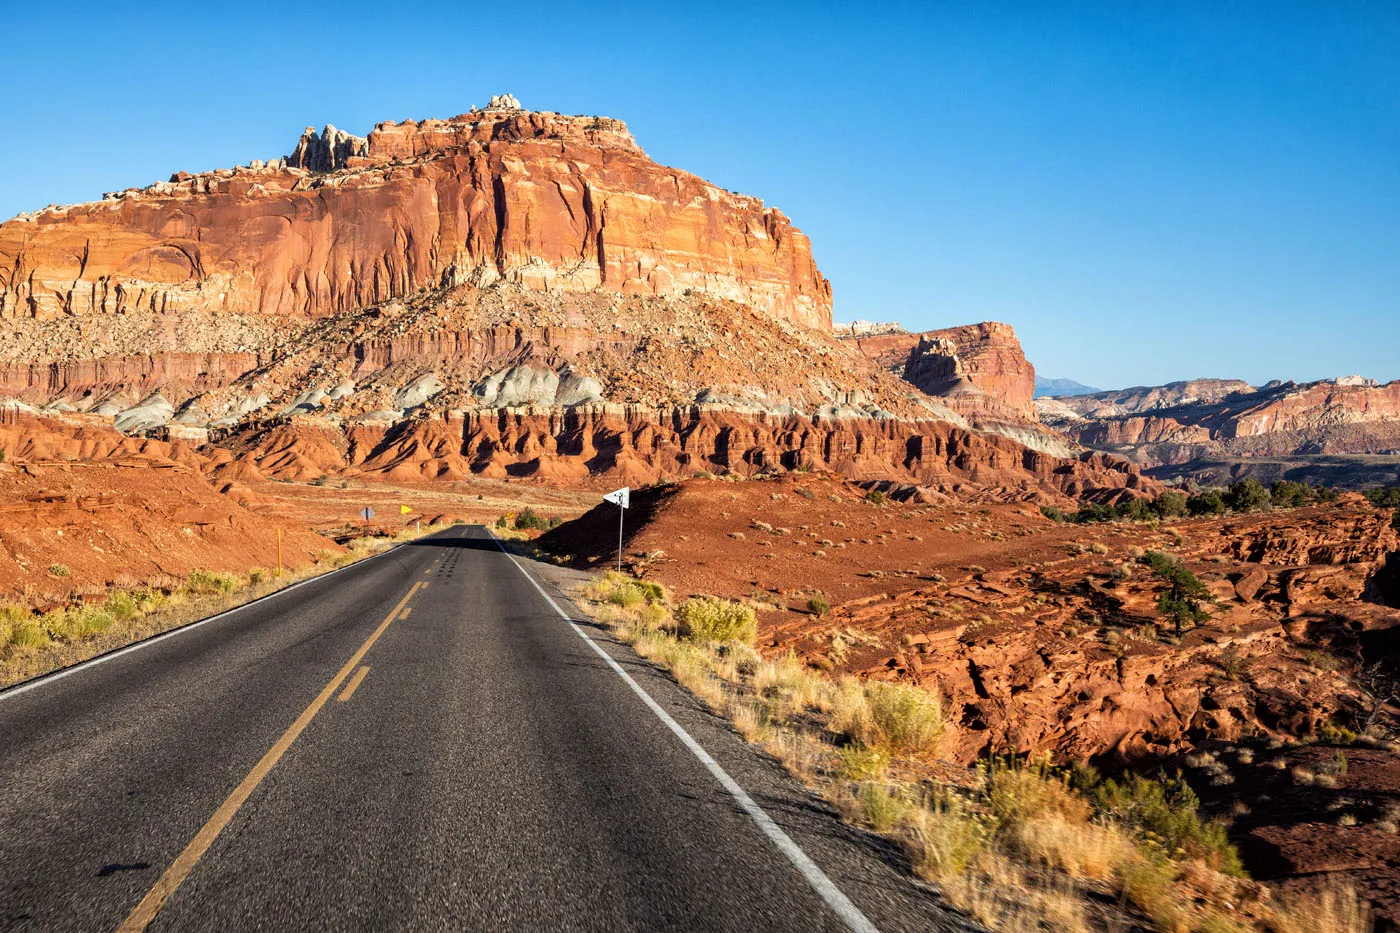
(180, 869)
(349, 690)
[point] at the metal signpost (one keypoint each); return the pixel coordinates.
(367, 513)
(620, 498)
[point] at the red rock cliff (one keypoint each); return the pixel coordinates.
(549, 201)
(976, 359)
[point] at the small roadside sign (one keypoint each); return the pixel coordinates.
(367, 513)
(620, 498)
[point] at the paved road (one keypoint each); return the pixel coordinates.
(491, 769)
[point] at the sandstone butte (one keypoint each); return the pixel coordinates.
(546, 200)
(507, 293)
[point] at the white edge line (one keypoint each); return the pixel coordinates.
(825, 888)
(45, 679)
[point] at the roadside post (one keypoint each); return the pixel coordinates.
(621, 498)
(279, 550)
(367, 513)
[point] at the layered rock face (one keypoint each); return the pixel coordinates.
(970, 361)
(639, 445)
(977, 370)
(1230, 421)
(548, 201)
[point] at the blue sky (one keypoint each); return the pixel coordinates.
(1147, 192)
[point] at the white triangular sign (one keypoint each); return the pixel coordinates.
(622, 497)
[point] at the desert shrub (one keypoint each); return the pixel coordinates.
(1247, 495)
(59, 570)
(1170, 504)
(1054, 513)
(708, 619)
(28, 636)
(1093, 512)
(1285, 494)
(856, 762)
(123, 606)
(84, 622)
(1019, 792)
(530, 520)
(210, 583)
(1387, 497)
(1168, 811)
(631, 594)
(875, 497)
(900, 718)
(882, 807)
(950, 834)
(1232, 662)
(818, 606)
(1135, 510)
(256, 575)
(1210, 502)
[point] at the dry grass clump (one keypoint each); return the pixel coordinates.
(1023, 847)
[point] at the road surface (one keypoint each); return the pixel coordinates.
(418, 741)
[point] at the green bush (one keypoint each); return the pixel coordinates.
(123, 606)
(1093, 512)
(708, 619)
(1286, 494)
(1170, 504)
(875, 497)
(530, 520)
(210, 583)
(28, 636)
(1247, 495)
(635, 593)
(1169, 811)
(1387, 497)
(1135, 510)
(818, 606)
(1054, 513)
(59, 570)
(83, 622)
(1210, 502)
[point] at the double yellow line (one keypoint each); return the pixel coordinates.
(180, 869)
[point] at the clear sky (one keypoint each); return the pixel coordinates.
(1146, 191)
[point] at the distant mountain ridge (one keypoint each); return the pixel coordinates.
(1063, 388)
(1343, 431)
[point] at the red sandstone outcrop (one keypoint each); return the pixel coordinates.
(977, 365)
(639, 445)
(545, 200)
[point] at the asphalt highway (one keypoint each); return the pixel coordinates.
(434, 738)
